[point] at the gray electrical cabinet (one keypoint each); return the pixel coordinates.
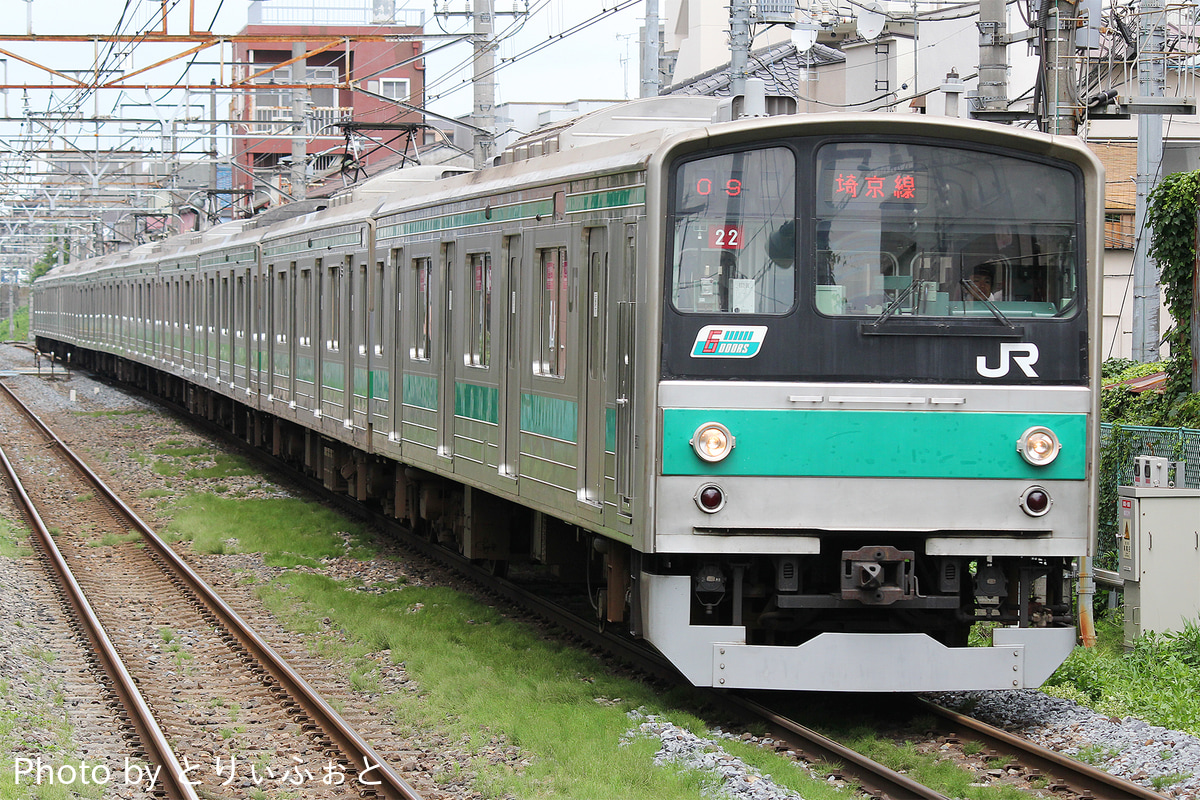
(1158, 548)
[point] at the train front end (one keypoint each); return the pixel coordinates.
(876, 412)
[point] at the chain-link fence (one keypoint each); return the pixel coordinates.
(1118, 446)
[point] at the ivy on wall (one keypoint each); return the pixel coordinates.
(1171, 216)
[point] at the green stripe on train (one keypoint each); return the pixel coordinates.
(477, 402)
(550, 416)
(874, 444)
(421, 390)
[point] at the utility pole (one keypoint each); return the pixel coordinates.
(484, 84)
(211, 199)
(1151, 82)
(650, 52)
(739, 45)
(483, 73)
(992, 91)
(299, 178)
(1059, 58)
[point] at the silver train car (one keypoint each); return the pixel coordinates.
(804, 398)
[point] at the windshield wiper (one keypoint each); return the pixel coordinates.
(894, 305)
(973, 293)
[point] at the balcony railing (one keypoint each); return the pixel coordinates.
(318, 121)
(335, 12)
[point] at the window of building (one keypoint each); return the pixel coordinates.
(1118, 230)
(394, 88)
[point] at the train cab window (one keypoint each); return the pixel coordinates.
(550, 346)
(479, 309)
(421, 310)
(734, 248)
(904, 230)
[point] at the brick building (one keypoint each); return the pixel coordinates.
(349, 79)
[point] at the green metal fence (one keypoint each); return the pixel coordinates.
(1118, 446)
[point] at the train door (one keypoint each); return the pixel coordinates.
(592, 414)
(321, 296)
(282, 337)
(225, 342)
(446, 350)
(397, 339)
(239, 365)
(623, 290)
(358, 355)
(510, 369)
(379, 349)
(476, 364)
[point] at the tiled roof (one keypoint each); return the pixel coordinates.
(778, 66)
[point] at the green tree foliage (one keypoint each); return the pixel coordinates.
(1171, 217)
(49, 259)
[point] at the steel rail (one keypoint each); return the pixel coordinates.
(1075, 774)
(375, 773)
(158, 749)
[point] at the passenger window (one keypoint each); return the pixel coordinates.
(550, 347)
(421, 308)
(479, 310)
(334, 315)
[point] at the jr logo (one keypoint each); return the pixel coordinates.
(1024, 354)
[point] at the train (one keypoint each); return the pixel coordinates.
(804, 399)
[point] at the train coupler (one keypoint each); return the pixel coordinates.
(878, 576)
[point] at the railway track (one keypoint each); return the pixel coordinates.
(1064, 774)
(1067, 777)
(182, 663)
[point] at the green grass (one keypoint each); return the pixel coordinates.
(14, 542)
(113, 412)
(289, 531)
(175, 461)
(178, 449)
(35, 726)
(1158, 680)
(927, 768)
(18, 330)
(110, 539)
(483, 677)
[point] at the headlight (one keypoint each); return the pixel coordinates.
(712, 441)
(1038, 446)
